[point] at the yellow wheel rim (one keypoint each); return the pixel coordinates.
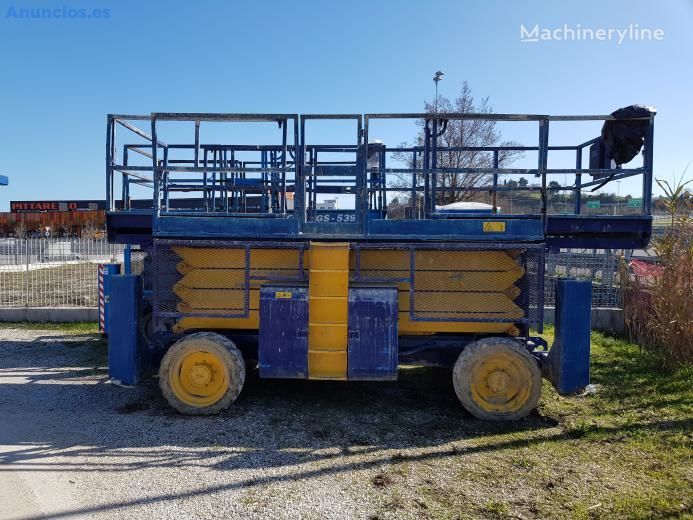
(501, 382)
(199, 378)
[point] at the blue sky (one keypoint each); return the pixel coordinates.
(61, 77)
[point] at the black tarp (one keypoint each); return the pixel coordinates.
(624, 137)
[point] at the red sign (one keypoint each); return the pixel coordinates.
(21, 206)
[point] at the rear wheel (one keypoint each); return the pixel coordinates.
(202, 374)
(497, 379)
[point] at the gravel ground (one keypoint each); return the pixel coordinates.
(76, 445)
(72, 445)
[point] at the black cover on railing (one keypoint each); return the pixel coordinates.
(624, 139)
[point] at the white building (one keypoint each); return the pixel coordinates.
(328, 204)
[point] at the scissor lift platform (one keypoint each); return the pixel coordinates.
(247, 262)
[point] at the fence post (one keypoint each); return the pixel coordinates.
(127, 259)
(26, 272)
(105, 270)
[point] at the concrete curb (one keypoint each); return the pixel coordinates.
(605, 319)
(49, 314)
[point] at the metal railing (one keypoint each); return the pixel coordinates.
(52, 272)
(225, 183)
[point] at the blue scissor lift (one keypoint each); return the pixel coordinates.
(245, 262)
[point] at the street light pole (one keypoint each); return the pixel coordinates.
(435, 103)
(436, 78)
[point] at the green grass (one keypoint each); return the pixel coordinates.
(496, 509)
(624, 452)
(83, 327)
(635, 432)
(634, 393)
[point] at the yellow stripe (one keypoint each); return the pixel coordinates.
(438, 260)
(225, 258)
(231, 278)
(252, 322)
(451, 280)
(459, 303)
(405, 326)
(219, 299)
(328, 303)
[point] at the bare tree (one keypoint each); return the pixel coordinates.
(453, 187)
(20, 230)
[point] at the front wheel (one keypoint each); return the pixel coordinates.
(497, 379)
(202, 374)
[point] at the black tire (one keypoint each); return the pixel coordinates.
(147, 326)
(182, 381)
(496, 379)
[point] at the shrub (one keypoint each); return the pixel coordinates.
(658, 301)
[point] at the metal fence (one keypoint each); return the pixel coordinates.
(599, 265)
(49, 272)
(39, 272)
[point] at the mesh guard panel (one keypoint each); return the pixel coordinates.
(458, 282)
(215, 279)
(436, 282)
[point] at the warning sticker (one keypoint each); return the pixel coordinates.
(283, 295)
(494, 227)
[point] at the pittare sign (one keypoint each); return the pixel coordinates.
(24, 206)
